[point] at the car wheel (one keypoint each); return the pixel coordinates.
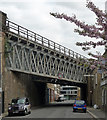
(10, 114)
(74, 110)
(84, 111)
(25, 112)
(30, 112)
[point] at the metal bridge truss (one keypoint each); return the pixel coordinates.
(34, 54)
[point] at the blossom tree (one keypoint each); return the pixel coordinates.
(99, 30)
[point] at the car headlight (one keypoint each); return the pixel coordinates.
(21, 107)
(9, 108)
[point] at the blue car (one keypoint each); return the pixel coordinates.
(79, 105)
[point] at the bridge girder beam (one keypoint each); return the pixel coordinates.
(39, 60)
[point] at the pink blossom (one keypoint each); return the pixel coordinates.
(99, 30)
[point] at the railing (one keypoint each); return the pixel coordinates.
(31, 36)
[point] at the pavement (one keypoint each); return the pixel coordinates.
(96, 113)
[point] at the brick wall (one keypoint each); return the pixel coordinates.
(23, 85)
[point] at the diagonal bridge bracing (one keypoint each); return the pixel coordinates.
(34, 54)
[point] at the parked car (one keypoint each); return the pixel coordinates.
(19, 105)
(60, 99)
(79, 105)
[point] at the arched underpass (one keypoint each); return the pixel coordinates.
(33, 87)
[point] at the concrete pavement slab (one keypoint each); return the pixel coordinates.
(96, 113)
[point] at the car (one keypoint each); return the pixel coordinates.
(63, 98)
(19, 105)
(60, 99)
(79, 105)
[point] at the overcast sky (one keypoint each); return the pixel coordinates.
(35, 16)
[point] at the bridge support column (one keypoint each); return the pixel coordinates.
(84, 93)
(3, 17)
(89, 91)
(18, 84)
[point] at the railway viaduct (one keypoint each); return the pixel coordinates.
(29, 61)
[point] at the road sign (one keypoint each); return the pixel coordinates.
(60, 75)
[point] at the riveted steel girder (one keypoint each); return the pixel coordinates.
(43, 59)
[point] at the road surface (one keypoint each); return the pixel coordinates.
(54, 110)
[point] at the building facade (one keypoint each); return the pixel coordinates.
(53, 92)
(56, 91)
(50, 92)
(98, 94)
(69, 92)
(104, 84)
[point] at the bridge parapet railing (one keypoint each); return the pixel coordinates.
(32, 36)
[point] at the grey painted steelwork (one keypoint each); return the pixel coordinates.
(34, 54)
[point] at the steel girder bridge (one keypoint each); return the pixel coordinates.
(33, 54)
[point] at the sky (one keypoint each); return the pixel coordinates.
(35, 16)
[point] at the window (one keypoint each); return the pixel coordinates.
(80, 102)
(21, 101)
(14, 101)
(68, 92)
(70, 88)
(102, 75)
(96, 79)
(63, 92)
(27, 101)
(103, 97)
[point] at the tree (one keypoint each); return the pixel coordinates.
(94, 31)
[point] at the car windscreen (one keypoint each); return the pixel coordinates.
(80, 102)
(21, 101)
